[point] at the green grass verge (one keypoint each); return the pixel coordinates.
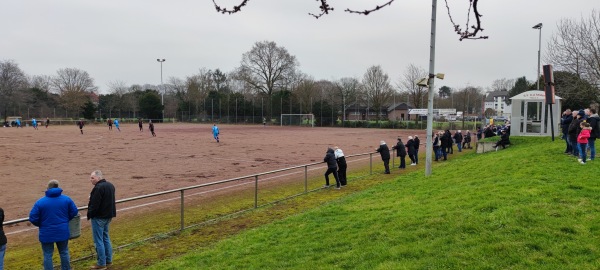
(528, 207)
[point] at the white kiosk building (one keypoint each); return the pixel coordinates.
(531, 115)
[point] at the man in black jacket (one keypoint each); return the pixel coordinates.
(101, 209)
(384, 151)
(574, 129)
(565, 121)
(331, 168)
(594, 121)
(401, 153)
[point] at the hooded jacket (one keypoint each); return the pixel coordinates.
(594, 121)
(51, 214)
(330, 159)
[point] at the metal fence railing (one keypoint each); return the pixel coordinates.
(297, 180)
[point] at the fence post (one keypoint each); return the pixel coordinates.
(306, 179)
(370, 163)
(182, 207)
(256, 191)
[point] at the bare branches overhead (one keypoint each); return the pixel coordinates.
(470, 32)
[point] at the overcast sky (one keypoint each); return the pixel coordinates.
(121, 40)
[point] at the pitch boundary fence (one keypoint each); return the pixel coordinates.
(182, 195)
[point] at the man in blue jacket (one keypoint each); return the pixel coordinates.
(51, 214)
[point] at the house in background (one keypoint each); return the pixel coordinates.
(399, 112)
(497, 101)
(358, 111)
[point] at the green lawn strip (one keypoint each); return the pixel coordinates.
(529, 207)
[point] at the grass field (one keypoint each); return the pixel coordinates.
(526, 207)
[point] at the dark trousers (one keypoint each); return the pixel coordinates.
(386, 164)
(402, 162)
(412, 158)
(342, 166)
(569, 149)
(416, 157)
(335, 175)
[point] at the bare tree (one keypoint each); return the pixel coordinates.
(576, 47)
(266, 67)
(503, 84)
(42, 82)
(305, 91)
(408, 83)
(376, 84)
(12, 80)
(348, 89)
(74, 87)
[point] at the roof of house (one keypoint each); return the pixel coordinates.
(399, 106)
(490, 96)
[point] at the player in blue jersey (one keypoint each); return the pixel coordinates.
(117, 124)
(215, 131)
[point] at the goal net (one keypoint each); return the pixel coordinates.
(306, 120)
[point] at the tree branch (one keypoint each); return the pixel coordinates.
(367, 12)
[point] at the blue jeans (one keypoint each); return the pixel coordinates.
(582, 151)
(63, 251)
(2, 251)
(459, 144)
(592, 147)
(102, 240)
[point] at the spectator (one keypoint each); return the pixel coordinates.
(582, 140)
(401, 153)
(417, 144)
(565, 121)
(458, 138)
(446, 142)
(101, 209)
(574, 129)
(410, 149)
(2, 239)
(384, 151)
(51, 214)
(436, 146)
(342, 165)
(504, 140)
(331, 168)
(594, 121)
(479, 133)
(467, 140)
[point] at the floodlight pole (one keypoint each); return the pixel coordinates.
(429, 142)
(162, 98)
(539, 27)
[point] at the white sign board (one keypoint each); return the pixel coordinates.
(417, 111)
(446, 111)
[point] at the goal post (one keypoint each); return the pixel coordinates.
(306, 120)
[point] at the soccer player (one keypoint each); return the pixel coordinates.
(117, 124)
(80, 123)
(47, 122)
(151, 127)
(34, 123)
(141, 124)
(109, 123)
(215, 131)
